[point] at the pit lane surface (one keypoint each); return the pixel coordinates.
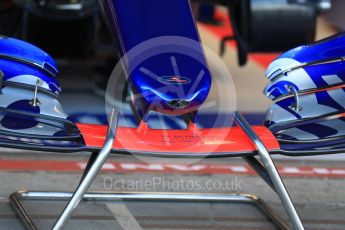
(319, 199)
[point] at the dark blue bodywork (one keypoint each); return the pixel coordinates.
(21, 58)
(168, 81)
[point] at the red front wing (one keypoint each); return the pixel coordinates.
(192, 141)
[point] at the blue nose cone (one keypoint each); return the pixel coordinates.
(174, 78)
(170, 83)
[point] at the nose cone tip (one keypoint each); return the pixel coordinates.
(178, 103)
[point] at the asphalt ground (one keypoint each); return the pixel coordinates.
(319, 199)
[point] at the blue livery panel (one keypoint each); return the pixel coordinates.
(309, 67)
(23, 63)
(308, 90)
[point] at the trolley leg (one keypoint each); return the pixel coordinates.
(272, 172)
(89, 164)
(259, 169)
(90, 175)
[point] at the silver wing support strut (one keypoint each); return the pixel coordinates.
(266, 170)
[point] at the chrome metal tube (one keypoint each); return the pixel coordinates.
(272, 172)
(296, 105)
(91, 174)
(1, 81)
(17, 198)
(35, 102)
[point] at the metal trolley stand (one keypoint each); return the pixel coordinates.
(266, 169)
